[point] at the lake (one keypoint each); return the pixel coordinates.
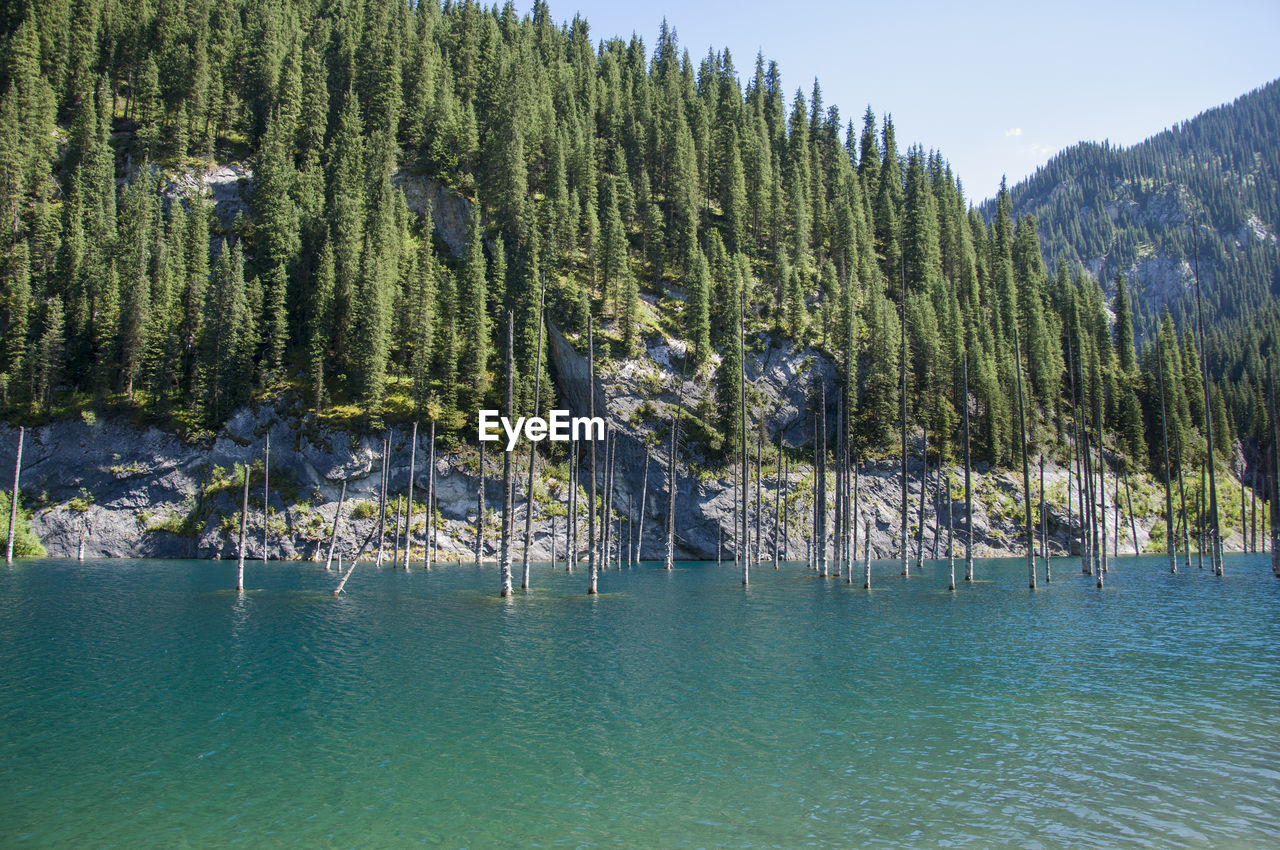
(144, 703)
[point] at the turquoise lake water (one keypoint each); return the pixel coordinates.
(142, 703)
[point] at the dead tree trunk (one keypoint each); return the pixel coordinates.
(429, 538)
(592, 575)
(924, 486)
(571, 521)
(480, 511)
(1102, 485)
(382, 498)
(644, 498)
(333, 533)
(744, 540)
(1026, 478)
(244, 518)
(968, 489)
(508, 491)
(866, 555)
(13, 500)
(777, 505)
(1133, 525)
(395, 536)
(669, 562)
(1170, 542)
(266, 492)
(1044, 528)
(1215, 531)
(533, 452)
(408, 514)
(759, 483)
(902, 363)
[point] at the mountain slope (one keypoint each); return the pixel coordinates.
(1133, 210)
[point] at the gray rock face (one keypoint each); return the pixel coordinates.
(449, 210)
(143, 492)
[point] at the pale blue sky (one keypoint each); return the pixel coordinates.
(998, 87)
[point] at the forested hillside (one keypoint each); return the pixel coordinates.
(654, 192)
(1205, 189)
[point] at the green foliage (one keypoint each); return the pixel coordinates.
(25, 542)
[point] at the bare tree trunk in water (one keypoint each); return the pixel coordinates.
(951, 530)
(244, 516)
(968, 489)
(571, 532)
(671, 475)
(429, 539)
(592, 571)
(644, 498)
(333, 532)
(1026, 479)
(395, 536)
(13, 499)
(408, 514)
(266, 492)
(777, 504)
(1170, 543)
(866, 555)
(480, 511)
(533, 452)
(1044, 529)
(508, 491)
(902, 363)
(924, 486)
(382, 497)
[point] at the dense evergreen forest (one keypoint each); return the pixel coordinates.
(1204, 190)
(649, 190)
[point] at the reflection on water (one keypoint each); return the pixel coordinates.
(141, 702)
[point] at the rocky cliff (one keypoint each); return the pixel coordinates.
(128, 491)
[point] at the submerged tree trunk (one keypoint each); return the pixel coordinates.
(266, 492)
(382, 498)
(508, 490)
(820, 471)
(408, 513)
(777, 504)
(533, 453)
(571, 529)
(1102, 486)
(244, 517)
(1273, 495)
(951, 552)
(903, 378)
(13, 501)
(480, 511)
(759, 483)
(1170, 542)
(644, 498)
(924, 486)
(429, 538)
(333, 533)
(395, 536)
(592, 575)
(968, 488)
(669, 561)
(1133, 526)
(1044, 529)
(1026, 478)
(1215, 531)
(866, 555)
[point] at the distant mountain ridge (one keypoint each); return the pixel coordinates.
(1133, 210)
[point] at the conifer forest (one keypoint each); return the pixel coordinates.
(657, 195)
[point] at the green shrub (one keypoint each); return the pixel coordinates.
(25, 542)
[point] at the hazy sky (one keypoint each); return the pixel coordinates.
(997, 87)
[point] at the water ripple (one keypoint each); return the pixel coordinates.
(143, 703)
